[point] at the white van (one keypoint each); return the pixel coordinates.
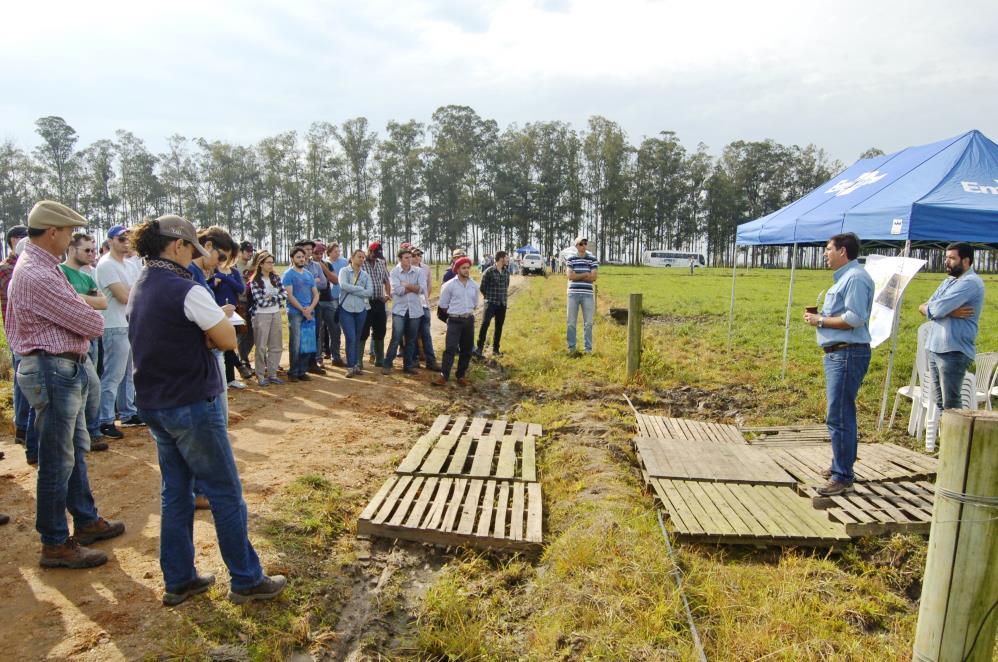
(532, 263)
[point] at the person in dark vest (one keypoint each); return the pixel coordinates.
(178, 389)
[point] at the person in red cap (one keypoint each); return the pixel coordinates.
(458, 300)
(377, 316)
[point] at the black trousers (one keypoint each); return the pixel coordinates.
(375, 322)
(245, 342)
(460, 340)
(498, 312)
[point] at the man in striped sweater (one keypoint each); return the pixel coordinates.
(581, 269)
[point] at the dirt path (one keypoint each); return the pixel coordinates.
(351, 431)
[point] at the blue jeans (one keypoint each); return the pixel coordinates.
(353, 326)
(299, 362)
(327, 324)
(117, 372)
(193, 445)
(426, 338)
(24, 417)
(844, 372)
(92, 409)
(588, 304)
(403, 326)
(947, 370)
(56, 388)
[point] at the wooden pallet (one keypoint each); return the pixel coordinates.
(875, 508)
(683, 428)
(719, 462)
(874, 462)
(782, 434)
(494, 514)
(508, 457)
(456, 426)
(725, 513)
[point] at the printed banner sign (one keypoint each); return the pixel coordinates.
(890, 276)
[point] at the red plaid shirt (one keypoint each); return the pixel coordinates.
(44, 311)
(6, 271)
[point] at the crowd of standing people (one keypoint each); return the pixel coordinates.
(154, 326)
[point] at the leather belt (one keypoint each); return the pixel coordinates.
(72, 356)
(461, 317)
(842, 345)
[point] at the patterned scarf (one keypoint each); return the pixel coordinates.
(169, 265)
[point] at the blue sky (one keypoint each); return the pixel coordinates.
(846, 75)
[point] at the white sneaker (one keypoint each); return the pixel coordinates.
(235, 383)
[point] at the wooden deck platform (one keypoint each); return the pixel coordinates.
(494, 514)
(683, 428)
(874, 462)
(468, 481)
(880, 507)
(719, 462)
(726, 513)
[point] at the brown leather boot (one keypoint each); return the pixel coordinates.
(4, 519)
(71, 554)
(463, 381)
(102, 529)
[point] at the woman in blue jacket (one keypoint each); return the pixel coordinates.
(355, 300)
(227, 284)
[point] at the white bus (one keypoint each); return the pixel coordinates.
(682, 259)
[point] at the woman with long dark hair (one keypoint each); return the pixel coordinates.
(356, 288)
(266, 298)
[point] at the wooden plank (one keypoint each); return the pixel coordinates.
(455, 503)
(516, 514)
(434, 461)
(405, 501)
(498, 428)
(477, 427)
(501, 510)
(534, 514)
(457, 427)
(684, 459)
(392, 500)
(459, 459)
(416, 454)
(436, 512)
(750, 522)
(519, 430)
(528, 462)
(416, 515)
(439, 425)
(469, 510)
(485, 518)
(534, 429)
(506, 467)
(484, 455)
(379, 497)
(706, 496)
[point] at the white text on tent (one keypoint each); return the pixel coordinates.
(974, 187)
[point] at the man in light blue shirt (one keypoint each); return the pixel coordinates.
(407, 309)
(458, 300)
(954, 311)
(843, 332)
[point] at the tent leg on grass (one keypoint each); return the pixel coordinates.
(790, 301)
(731, 310)
(894, 344)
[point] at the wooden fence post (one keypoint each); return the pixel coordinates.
(634, 313)
(959, 606)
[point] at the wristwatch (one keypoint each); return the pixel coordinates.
(821, 322)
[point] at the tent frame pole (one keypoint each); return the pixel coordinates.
(790, 301)
(894, 344)
(731, 309)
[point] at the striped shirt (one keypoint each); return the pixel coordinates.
(581, 264)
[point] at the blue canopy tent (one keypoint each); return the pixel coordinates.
(940, 192)
(527, 249)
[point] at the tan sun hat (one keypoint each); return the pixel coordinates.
(51, 214)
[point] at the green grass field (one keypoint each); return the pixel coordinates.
(602, 588)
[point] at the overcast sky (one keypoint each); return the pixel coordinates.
(845, 75)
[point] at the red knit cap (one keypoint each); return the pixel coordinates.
(461, 260)
(375, 245)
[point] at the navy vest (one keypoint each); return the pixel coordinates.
(173, 366)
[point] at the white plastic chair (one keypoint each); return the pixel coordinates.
(968, 400)
(986, 369)
(913, 390)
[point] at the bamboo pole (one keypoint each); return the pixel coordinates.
(634, 314)
(894, 345)
(959, 607)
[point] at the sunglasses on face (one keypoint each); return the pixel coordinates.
(87, 250)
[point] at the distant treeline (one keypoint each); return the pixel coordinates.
(457, 181)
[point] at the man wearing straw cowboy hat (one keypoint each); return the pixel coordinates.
(843, 332)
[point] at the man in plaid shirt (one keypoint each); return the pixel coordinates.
(495, 289)
(377, 316)
(50, 327)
